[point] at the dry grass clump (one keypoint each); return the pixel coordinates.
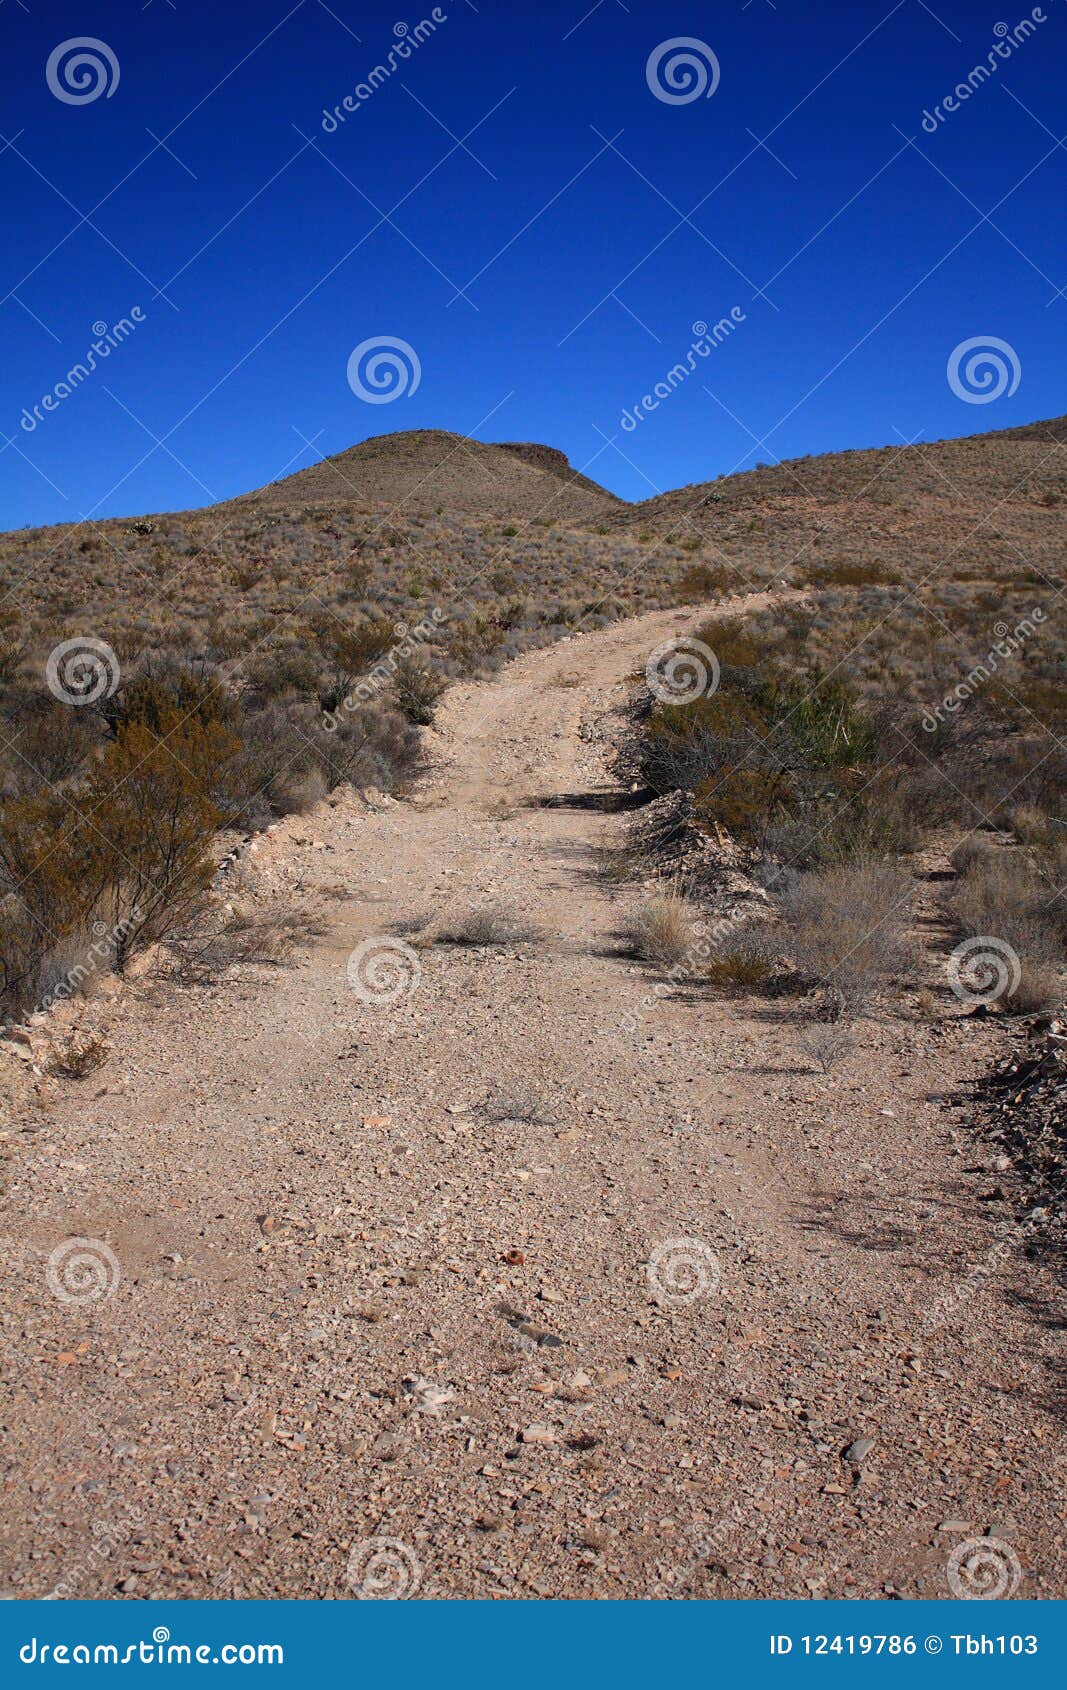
(230, 937)
(746, 964)
(664, 928)
(971, 853)
(848, 929)
(493, 927)
(1003, 896)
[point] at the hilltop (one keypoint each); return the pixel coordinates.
(433, 469)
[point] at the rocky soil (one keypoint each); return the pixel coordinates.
(492, 1271)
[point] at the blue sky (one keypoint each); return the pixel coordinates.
(516, 203)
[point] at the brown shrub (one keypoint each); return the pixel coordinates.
(417, 688)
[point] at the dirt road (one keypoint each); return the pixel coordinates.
(446, 1272)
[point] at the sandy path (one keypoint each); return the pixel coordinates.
(316, 1338)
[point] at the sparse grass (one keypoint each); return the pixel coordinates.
(228, 939)
(489, 928)
(826, 1043)
(1003, 896)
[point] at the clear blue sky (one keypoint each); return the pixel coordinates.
(588, 223)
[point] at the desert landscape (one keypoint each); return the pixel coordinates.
(531, 1062)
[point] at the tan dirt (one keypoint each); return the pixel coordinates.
(413, 1270)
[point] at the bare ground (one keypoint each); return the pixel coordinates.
(318, 1337)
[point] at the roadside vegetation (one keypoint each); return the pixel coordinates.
(829, 757)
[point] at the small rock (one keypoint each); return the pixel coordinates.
(858, 1451)
(539, 1434)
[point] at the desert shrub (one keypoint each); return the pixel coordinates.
(1030, 824)
(223, 940)
(78, 1055)
(826, 1043)
(350, 652)
(971, 852)
(296, 790)
(49, 744)
(278, 671)
(417, 688)
(702, 581)
(129, 850)
(164, 688)
(847, 926)
(152, 806)
(371, 746)
(472, 641)
(14, 645)
(358, 576)
(854, 572)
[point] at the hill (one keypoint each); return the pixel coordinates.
(432, 469)
(984, 502)
(513, 547)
